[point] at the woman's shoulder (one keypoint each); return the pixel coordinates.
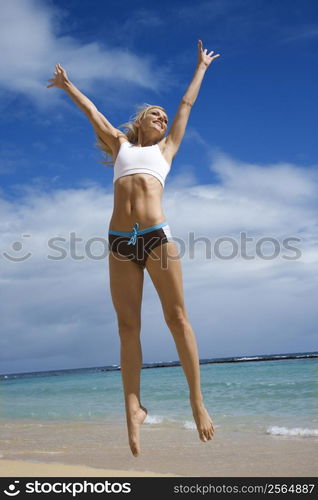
(121, 139)
(166, 150)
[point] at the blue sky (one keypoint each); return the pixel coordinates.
(248, 163)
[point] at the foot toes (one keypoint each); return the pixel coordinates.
(134, 449)
(202, 436)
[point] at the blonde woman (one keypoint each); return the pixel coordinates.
(139, 238)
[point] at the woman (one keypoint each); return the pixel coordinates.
(139, 238)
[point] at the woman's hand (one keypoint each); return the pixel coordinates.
(60, 78)
(205, 59)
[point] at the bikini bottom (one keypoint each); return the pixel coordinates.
(136, 245)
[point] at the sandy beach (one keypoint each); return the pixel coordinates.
(97, 449)
(19, 468)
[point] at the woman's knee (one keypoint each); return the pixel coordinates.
(176, 317)
(129, 326)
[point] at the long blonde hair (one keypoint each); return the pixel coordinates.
(131, 131)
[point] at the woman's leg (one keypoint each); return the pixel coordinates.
(166, 276)
(126, 284)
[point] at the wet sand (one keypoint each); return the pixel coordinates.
(99, 449)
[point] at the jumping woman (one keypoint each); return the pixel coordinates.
(139, 238)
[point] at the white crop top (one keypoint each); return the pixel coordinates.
(146, 160)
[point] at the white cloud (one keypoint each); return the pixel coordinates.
(59, 313)
(283, 182)
(31, 45)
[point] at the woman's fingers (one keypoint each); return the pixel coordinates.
(51, 80)
(206, 50)
(57, 73)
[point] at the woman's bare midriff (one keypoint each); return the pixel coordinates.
(137, 198)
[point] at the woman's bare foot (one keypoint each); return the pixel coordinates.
(203, 421)
(133, 423)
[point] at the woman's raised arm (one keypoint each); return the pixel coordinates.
(103, 128)
(178, 126)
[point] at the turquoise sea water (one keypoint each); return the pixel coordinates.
(276, 397)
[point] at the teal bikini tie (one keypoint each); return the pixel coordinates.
(133, 238)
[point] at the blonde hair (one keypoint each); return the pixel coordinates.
(131, 131)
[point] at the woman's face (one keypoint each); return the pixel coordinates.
(155, 118)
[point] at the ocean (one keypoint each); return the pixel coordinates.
(274, 395)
